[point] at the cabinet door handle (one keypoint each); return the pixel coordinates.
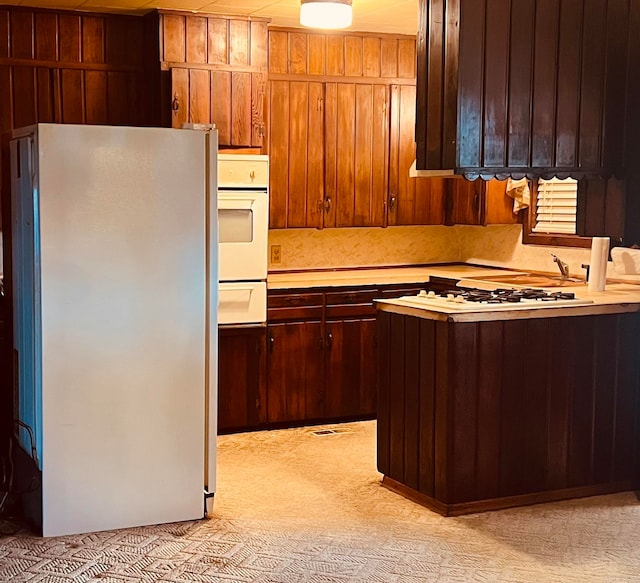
(272, 342)
(392, 203)
(175, 104)
(329, 340)
(327, 204)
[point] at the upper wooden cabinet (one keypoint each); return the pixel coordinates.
(540, 86)
(215, 71)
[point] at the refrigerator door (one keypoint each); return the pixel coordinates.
(211, 423)
(123, 302)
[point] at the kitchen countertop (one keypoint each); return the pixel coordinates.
(618, 297)
(379, 276)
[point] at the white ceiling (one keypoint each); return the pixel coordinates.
(397, 16)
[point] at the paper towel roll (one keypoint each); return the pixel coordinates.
(598, 264)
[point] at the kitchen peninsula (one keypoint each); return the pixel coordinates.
(487, 409)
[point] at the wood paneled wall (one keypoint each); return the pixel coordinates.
(70, 68)
(388, 58)
(66, 67)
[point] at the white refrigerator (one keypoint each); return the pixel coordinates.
(115, 279)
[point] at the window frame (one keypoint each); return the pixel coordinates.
(529, 237)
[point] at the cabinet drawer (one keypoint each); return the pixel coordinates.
(243, 170)
(287, 300)
(351, 297)
(294, 313)
(406, 290)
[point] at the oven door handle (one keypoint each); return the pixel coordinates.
(236, 203)
(232, 287)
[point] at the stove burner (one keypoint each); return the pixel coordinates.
(502, 295)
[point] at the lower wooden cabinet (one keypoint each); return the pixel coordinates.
(350, 381)
(313, 363)
(241, 378)
(294, 377)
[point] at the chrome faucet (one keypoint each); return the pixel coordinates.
(562, 266)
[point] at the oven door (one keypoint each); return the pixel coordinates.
(242, 302)
(243, 222)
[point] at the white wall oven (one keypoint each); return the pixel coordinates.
(243, 222)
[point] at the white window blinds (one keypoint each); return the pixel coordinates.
(556, 206)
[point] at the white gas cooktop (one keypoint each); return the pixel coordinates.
(502, 299)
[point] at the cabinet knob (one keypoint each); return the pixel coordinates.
(327, 204)
(252, 175)
(175, 103)
(392, 203)
(272, 342)
(329, 340)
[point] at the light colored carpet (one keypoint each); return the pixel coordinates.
(294, 507)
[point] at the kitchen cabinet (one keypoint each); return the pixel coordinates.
(411, 201)
(437, 200)
(295, 376)
(296, 154)
(213, 69)
(540, 87)
(477, 202)
(328, 144)
(204, 96)
(321, 353)
(242, 358)
(467, 423)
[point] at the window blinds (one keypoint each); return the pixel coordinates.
(556, 206)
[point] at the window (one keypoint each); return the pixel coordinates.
(551, 217)
(556, 206)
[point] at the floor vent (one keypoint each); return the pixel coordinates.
(322, 432)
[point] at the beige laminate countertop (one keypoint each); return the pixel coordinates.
(617, 297)
(381, 276)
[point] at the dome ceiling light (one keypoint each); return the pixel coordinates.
(326, 13)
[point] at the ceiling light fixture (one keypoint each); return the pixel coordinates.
(325, 13)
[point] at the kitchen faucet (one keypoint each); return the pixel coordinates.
(562, 266)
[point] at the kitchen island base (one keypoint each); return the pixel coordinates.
(504, 502)
(476, 416)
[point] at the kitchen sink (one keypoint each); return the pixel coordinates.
(533, 280)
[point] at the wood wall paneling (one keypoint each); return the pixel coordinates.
(218, 41)
(196, 40)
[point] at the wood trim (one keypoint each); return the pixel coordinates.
(386, 35)
(531, 238)
(341, 79)
(170, 12)
(9, 62)
(460, 509)
(168, 65)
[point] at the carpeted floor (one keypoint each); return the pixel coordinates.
(293, 507)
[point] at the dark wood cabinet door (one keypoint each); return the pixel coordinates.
(350, 371)
(544, 98)
(296, 149)
(465, 201)
(356, 151)
(295, 379)
(241, 378)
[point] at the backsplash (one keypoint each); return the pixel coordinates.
(498, 245)
(363, 247)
